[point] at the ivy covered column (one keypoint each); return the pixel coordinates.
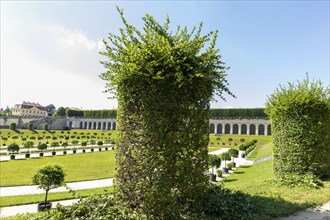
(164, 83)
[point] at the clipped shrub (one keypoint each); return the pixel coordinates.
(219, 173)
(164, 83)
(12, 148)
(12, 126)
(300, 118)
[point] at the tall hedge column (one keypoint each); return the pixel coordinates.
(164, 84)
(300, 117)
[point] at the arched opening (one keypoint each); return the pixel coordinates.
(269, 131)
(94, 125)
(90, 125)
(219, 129)
(81, 125)
(85, 125)
(211, 128)
(104, 126)
(252, 129)
(99, 126)
(235, 129)
(261, 130)
(70, 125)
(227, 129)
(114, 126)
(243, 129)
(109, 125)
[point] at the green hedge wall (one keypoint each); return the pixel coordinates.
(238, 113)
(300, 117)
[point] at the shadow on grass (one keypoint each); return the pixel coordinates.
(229, 180)
(239, 172)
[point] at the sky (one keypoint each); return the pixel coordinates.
(50, 49)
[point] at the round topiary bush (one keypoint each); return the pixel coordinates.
(299, 115)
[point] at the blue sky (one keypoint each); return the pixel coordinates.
(49, 49)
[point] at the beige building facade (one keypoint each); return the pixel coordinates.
(29, 109)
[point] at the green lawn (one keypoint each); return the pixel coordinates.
(79, 167)
(261, 151)
(274, 200)
(36, 198)
(44, 136)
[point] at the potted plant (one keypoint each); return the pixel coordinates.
(74, 143)
(28, 145)
(219, 172)
(50, 176)
(12, 148)
(41, 147)
(225, 156)
(214, 161)
(54, 144)
(64, 145)
(100, 143)
(84, 144)
(230, 166)
(234, 154)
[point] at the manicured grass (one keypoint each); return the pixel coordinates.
(275, 201)
(79, 167)
(261, 151)
(224, 143)
(41, 135)
(37, 198)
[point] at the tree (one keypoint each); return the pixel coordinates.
(46, 127)
(164, 83)
(4, 139)
(12, 148)
(230, 140)
(214, 161)
(12, 126)
(65, 144)
(28, 145)
(74, 143)
(14, 138)
(49, 177)
(60, 112)
(30, 126)
(225, 156)
(42, 146)
(300, 118)
(54, 144)
(233, 153)
(51, 109)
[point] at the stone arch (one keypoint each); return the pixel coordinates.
(235, 129)
(227, 128)
(252, 129)
(85, 125)
(114, 126)
(261, 129)
(104, 127)
(99, 125)
(219, 128)
(90, 125)
(70, 125)
(81, 125)
(243, 129)
(269, 130)
(212, 128)
(109, 125)
(94, 125)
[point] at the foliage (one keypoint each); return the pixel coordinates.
(100, 143)
(61, 111)
(30, 126)
(300, 117)
(13, 147)
(214, 161)
(238, 113)
(28, 145)
(244, 147)
(230, 165)
(45, 127)
(54, 144)
(50, 176)
(164, 83)
(233, 152)
(219, 172)
(42, 146)
(221, 203)
(12, 126)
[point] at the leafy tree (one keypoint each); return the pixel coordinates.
(50, 176)
(28, 145)
(60, 112)
(30, 126)
(100, 143)
(54, 144)
(164, 83)
(4, 139)
(46, 127)
(14, 138)
(12, 126)
(225, 156)
(74, 143)
(233, 153)
(300, 118)
(51, 109)
(42, 146)
(12, 148)
(214, 161)
(65, 144)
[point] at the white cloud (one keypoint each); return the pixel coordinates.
(76, 38)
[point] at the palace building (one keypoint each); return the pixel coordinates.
(29, 109)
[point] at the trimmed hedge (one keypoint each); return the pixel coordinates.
(238, 113)
(300, 117)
